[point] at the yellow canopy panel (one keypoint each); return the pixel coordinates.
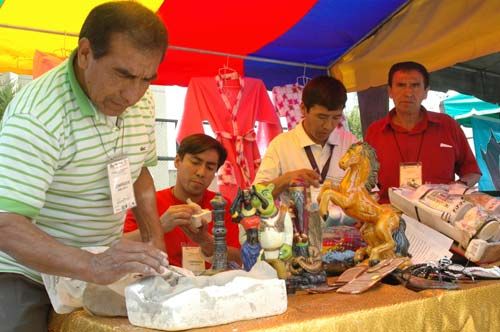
(437, 34)
(23, 22)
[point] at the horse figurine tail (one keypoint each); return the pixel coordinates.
(399, 236)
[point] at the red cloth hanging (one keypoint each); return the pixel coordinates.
(43, 62)
(233, 125)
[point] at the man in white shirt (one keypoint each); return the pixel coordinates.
(311, 151)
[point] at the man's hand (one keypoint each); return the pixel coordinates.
(201, 237)
(281, 183)
(177, 215)
(126, 257)
(310, 177)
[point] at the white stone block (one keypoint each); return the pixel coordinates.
(206, 301)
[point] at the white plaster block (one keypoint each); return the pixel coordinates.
(204, 301)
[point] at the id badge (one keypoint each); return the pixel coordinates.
(120, 185)
(410, 174)
(192, 259)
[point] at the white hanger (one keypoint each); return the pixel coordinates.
(63, 52)
(302, 80)
(229, 76)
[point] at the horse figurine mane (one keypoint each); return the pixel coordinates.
(369, 152)
(354, 197)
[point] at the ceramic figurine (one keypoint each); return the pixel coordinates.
(219, 262)
(306, 268)
(244, 213)
(275, 231)
(300, 199)
(251, 248)
(242, 205)
(383, 229)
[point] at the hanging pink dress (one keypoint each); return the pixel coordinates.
(232, 111)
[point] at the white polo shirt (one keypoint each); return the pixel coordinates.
(286, 153)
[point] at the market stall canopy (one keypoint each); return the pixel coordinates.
(276, 41)
(462, 107)
(204, 35)
(438, 34)
(49, 26)
(478, 77)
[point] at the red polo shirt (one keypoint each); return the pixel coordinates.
(437, 141)
(174, 239)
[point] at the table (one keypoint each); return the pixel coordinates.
(476, 307)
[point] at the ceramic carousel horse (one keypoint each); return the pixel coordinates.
(383, 229)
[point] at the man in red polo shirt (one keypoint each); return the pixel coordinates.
(198, 158)
(413, 145)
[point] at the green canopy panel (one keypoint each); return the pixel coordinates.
(462, 107)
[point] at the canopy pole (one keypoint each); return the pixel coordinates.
(248, 57)
(185, 49)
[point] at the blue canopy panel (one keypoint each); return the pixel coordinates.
(319, 38)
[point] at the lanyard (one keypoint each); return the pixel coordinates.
(419, 147)
(314, 165)
(122, 125)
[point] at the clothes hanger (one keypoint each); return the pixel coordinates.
(63, 52)
(303, 80)
(229, 76)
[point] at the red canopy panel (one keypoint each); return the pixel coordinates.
(233, 27)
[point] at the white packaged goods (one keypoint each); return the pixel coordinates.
(459, 216)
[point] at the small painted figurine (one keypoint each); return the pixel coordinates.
(300, 199)
(244, 213)
(250, 249)
(242, 205)
(275, 231)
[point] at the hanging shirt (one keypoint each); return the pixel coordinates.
(232, 114)
(287, 101)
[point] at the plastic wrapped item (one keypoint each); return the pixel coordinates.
(489, 203)
(466, 218)
(452, 207)
(477, 223)
(432, 206)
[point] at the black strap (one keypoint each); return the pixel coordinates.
(416, 212)
(419, 147)
(314, 165)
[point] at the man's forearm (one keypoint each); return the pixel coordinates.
(134, 235)
(145, 212)
(470, 179)
(34, 248)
